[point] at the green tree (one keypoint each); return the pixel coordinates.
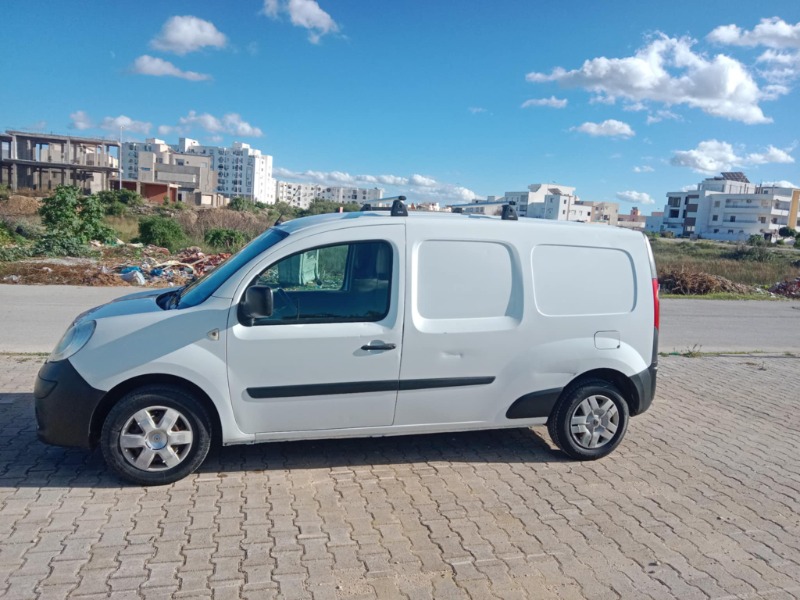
(787, 232)
(69, 215)
(161, 231)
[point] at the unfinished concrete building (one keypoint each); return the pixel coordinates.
(41, 161)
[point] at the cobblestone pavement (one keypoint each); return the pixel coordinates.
(702, 500)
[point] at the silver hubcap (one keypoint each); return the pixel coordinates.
(595, 421)
(156, 438)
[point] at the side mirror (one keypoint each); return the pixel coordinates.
(256, 304)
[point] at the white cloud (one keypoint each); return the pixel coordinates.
(551, 102)
(781, 67)
(418, 188)
(643, 169)
(476, 110)
(667, 71)
(230, 123)
(637, 197)
(114, 124)
(422, 181)
(151, 65)
(772, 155)
(662, 115)
(782, 183)
(772, 33)
(80, 120)
(713, 156)
(608, 128)
(185, 34)
(303, 13)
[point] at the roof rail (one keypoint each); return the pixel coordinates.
(509, 213)
(398, 208)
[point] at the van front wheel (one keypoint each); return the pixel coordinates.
(155, 435)
(590, 420)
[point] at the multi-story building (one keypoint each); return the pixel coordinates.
(729, 207)
(604, 212)
(154, 161)
(558, 203)
(241, 170)
(301, 195)
(635, 220)
(541, 201)
(42, 161)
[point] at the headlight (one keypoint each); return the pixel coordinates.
(73, 340)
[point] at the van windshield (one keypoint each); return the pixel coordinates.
(200, 289)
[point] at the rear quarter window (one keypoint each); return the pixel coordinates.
(583, 280)
(465, 280)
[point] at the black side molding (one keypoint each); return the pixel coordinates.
(535, 404)
(361, 387)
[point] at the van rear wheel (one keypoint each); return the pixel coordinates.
(155, 435)
(590, 420)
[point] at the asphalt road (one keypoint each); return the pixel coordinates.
(34, 317)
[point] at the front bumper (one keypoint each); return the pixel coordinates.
(65, 404)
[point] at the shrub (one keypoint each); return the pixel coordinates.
(756, 240)
(225, 238)
(787, 232)
(117, 202)
(161, 231)
(55, 245)
(242, 205)
(67, 214)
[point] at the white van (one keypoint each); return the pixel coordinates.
(366, 324)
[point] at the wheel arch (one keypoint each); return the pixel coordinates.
(114, 394)
(624, 383)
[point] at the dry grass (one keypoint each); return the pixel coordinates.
(715, 259)
(197, 223)
(19, 206)
(739, 271)
(127, 228)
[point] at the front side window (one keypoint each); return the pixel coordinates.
(343, 283)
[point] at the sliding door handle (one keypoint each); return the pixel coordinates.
(379, 347)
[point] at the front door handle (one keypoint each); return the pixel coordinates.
(378, 346)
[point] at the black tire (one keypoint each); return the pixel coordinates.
(559, 424)
(193, 424)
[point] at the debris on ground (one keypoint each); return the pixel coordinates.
(123, 264)
(695, 283)
(788, 289)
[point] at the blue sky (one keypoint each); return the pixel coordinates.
(438, 100)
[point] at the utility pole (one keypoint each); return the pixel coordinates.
(119, 156)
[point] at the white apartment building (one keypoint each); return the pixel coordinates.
(301, 195)
(541, 201)
(558, 203)
(241, 170)
(731, 208)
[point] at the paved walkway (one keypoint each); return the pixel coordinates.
(700, 501)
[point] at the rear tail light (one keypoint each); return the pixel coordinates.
(656, 305)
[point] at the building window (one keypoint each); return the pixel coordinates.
(716, 203)
(714, 218)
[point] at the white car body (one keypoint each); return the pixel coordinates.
(487, 318)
